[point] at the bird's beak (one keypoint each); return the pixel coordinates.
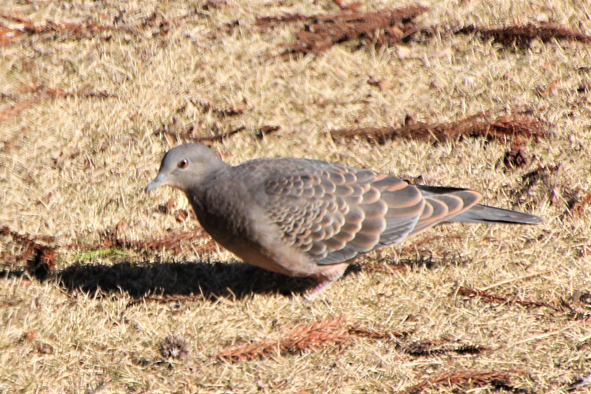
(160, 180)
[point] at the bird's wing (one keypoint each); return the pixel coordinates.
(334, 213)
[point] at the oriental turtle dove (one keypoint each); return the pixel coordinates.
(304, 217)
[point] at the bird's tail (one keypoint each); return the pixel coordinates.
(484, 214)
(480, 213)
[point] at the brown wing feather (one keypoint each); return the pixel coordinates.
(336, 213)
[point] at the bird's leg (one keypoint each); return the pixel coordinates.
(319, 288)
(329, 275)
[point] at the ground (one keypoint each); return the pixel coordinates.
(104, 288)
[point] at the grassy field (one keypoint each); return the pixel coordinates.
(104, 288)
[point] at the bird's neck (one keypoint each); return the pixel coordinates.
(197, 193)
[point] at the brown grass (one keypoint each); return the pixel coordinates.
(379, 28)
(40, 257)
(173, 242)
(577, 207)
(516, 157)
(500, 299)
(522, 35)
(17, 108)
(313, 336)
(7, 35)
(155, 22)
(332, 332)
(41, 93)
(106, 289)
(479, 125)
(427, 347)
(470, 379)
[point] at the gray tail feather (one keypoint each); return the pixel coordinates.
(484, 214)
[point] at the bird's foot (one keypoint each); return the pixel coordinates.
(319, 288)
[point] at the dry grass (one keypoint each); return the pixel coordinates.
(106, 289)
(479, 125)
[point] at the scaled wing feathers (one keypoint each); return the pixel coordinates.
(335, 213)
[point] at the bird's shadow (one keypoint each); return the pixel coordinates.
(210, 280)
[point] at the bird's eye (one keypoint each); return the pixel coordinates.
(183, 163)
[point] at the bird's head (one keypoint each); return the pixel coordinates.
(185, 166)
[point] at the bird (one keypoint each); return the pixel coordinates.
(311, 218)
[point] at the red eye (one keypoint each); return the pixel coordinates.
(183, 163)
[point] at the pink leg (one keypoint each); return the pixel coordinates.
(319, 288)
(329, 275)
